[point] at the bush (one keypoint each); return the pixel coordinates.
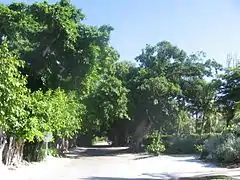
(223, 148)
(184, 144)
(210, 146)
(156, 147)
(53, 152)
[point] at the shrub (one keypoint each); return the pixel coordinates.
(210, 146)
(53, 152)
(156, 147)
(223, 148)
(184, 144)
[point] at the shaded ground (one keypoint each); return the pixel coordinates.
(97, 151)
(193, 178)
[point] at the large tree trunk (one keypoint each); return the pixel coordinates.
(2, 145)
(142, 129)
(13, 151)
(64, 145)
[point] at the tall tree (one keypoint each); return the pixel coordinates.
(59, 49)
(229, 92)
(159, 88)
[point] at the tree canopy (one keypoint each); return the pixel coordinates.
(61, 75)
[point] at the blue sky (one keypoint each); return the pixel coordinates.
(193, 25)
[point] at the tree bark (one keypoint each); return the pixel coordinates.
(72, 142)
(65, 144)
(13, 151)
(143, 128)
(2, 145)
(138, 136)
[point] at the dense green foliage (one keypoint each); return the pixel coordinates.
(54, 111)
(184, 144)
(60, 75)
(14, 95)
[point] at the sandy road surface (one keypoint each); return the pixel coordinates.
(114, 164)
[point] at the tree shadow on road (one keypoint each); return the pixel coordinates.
(201, 176)
(96, 151)
(144, 156)
(199, 161)
(161, 177)
(119, 178)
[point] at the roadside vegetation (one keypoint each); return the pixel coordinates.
(62, 76)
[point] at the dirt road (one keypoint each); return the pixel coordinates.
(115, 164)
